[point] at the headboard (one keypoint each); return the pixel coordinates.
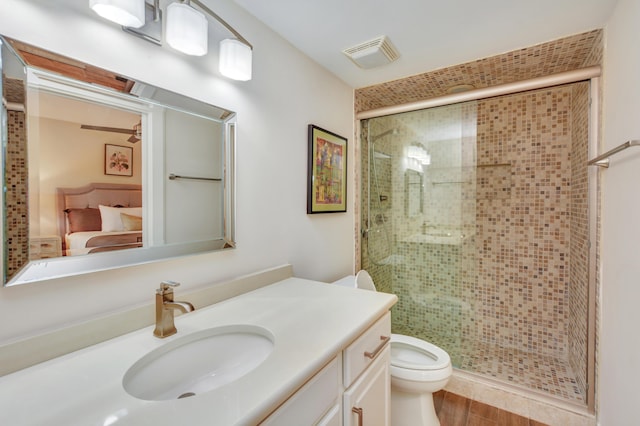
(93, 194)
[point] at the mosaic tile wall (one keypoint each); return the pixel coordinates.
(16, 176)
(524, 240)
(556, 56)
(536, 251)
(579, 262)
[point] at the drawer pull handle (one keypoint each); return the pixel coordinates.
(384, 341)
(360, 414)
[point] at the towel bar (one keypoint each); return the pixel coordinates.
(603, 160)
(174, 177)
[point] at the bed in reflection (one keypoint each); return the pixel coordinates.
(99, 217)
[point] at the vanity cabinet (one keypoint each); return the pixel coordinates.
(366, 377)
(352, 390)
(316, 403)
(326, 358)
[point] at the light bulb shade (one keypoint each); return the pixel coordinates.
(187, 29)
(414, 152)
(235, 59)
(128, 13)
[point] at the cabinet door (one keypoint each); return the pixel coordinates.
(332, 418)
(317, 399)
(366, 402)
(355, 358)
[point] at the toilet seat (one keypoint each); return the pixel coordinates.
(417, 354)
(416, 359)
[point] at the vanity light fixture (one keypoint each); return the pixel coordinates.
(128, 13)
(186, 30)
(417, 152)
(235, 59)
(425, 159)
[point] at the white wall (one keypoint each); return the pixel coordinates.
(619, 371)
(288, 92)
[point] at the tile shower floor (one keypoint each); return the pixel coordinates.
(549, 375)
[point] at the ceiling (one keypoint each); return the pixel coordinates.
(79, 112)
(428, 34)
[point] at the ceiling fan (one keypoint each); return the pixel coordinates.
(135, 132)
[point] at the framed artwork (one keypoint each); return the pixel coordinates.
(327, 172)
(118, 160)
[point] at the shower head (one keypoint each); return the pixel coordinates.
(383, 134)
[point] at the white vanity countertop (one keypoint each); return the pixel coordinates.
(311, 322)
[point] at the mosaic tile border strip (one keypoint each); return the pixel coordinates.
(565, 54)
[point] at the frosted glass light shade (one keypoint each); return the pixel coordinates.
(187, 29)
(235, 59)
(129, 13)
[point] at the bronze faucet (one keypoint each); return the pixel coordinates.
(164, 309)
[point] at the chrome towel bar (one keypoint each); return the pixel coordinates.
(603, 160)
(174, 177)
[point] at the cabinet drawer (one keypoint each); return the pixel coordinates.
(365, 349)
(34, 246)
(314, 402)
(48, 246)
(44, 247)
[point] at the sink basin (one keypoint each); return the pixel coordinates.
(198, 362)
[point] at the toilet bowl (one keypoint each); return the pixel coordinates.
(418, 369)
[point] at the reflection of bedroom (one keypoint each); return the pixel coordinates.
(62, 154)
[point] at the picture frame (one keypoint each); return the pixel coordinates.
(118, 160)
(327, 172)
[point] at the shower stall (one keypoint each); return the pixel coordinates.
(476, 215)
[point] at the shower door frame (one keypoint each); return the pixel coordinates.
(589, 74)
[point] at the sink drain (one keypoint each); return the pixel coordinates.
(186, 395)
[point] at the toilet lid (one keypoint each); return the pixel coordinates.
(364, 281)
(416, 354)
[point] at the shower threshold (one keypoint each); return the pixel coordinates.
(552, 376)
(547, 375)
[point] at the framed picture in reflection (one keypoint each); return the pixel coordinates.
(327, 172)
(118, 160)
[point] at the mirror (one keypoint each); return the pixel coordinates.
(102, 171)
(414, 193)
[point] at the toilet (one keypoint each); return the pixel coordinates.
(418, 369)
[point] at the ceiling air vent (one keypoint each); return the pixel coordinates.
(372, 53)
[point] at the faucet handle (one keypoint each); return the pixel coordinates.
(167, 287)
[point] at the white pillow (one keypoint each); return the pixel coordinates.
(110, 216)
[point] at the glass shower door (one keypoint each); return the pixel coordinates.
(474, 214)
(420, 219)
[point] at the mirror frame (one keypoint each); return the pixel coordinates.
(46, 269)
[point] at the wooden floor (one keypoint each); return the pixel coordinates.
(455, 410)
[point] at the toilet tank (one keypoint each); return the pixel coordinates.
(361, 280)
(348, 281)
